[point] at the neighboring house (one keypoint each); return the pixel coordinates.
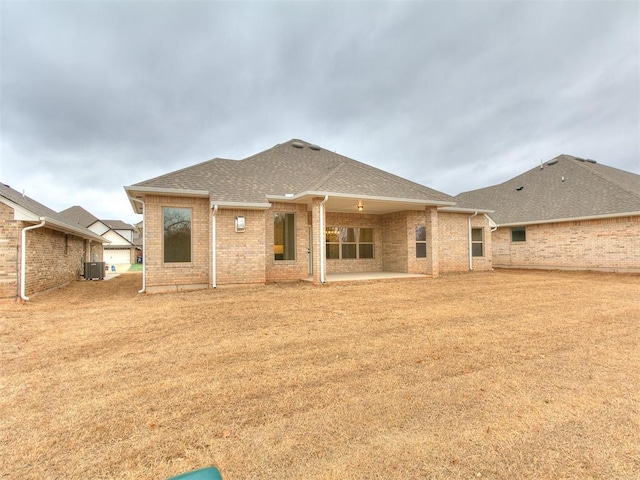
(39, 248)
(568, 213)
(121, 249)
(298, 211)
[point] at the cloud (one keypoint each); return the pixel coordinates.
(454, 95)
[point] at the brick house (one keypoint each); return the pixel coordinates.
(121, 249)
(568, 213)
(39, 248)
(297, 211)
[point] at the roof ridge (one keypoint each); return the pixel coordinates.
(606, 177)
(397, 178)
(331, 174)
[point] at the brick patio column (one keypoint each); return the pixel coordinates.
(316, 240)
(433, 247)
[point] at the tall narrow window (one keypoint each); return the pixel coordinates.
(177, 234)
(284, 236)
(477, 243)
(365, 242)
(421, 241)
(518, 234)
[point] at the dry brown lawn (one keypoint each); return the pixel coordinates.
(500, 375)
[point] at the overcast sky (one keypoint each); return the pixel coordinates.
(455, 95)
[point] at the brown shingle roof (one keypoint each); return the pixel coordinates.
(566, 187)
(79, 215)
(117, 225)
(287, 169)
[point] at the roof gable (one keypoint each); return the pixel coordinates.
(563, 188)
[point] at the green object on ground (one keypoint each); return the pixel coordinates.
(135, 267)
(209, 473)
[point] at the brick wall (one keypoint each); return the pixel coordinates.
(453, 236)
(394, 242)
(606, 244)
(9, 253)
(240, 257)
(53, 258)
(177, 276)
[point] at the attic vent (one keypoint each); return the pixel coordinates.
(590, 160)
(519, 188)
(579, 159)
(297, 144)
(314, 147)
(552, 162)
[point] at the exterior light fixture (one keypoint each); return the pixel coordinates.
(360, 206)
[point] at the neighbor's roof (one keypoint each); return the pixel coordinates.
(53, 219)
(564, 188)
(290, 169)
(79, 215)
(118, 225)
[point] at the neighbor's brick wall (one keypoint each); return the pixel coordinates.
(240, 257)
(334, 219)
(47, 265)
(9, 253)
(194, 274)
(53, 258)
(287, 270)
(605, 244)
(453, 229)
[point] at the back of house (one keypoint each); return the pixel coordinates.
(299, 211)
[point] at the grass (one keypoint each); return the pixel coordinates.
(484, 375)
(135, 267)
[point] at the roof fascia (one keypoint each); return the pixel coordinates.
(138, 191)
(306, 194)
(465, 210)
(571, 219)
(241, 205)
(174, 192)
(63, 227)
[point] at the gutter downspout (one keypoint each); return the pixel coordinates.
(214, 280)
(323, 245)
(144, 245)
(493, 229)
(23, 263)
(470, 244)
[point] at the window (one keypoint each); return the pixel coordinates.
(477, 244)
(177, 234)
(349, 243)
(421, 241)
(284, 236)
(518, 234)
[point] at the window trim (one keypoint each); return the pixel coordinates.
(164, 258)
(295, 238)
(519, 229)
(477, 242)
(356, 242)
(421, 242)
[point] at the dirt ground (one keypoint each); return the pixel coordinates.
(500, 375)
